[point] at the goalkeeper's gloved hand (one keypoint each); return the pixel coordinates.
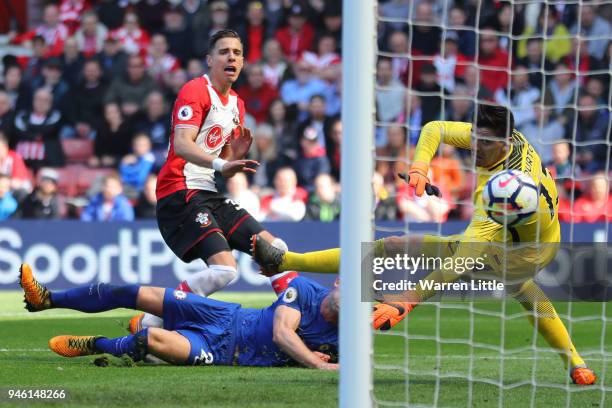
(417, 178)
(387, 315)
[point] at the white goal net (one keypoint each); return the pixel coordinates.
(549, 62)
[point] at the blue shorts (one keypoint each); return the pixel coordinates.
(207, 324)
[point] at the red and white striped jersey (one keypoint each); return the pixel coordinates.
(132, 42)
(159, 67)
(199, 106)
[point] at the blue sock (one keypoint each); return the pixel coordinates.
(134, 345)
(98, 297)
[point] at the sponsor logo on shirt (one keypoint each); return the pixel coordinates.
(214, 137)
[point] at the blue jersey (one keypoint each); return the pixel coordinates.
(254, 326)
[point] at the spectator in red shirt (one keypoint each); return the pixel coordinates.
(326, 61)
(159, 62)
(132, 38)
(298, 36)
(494, 62)
(287, 202)
(595, 206)
(404, 67)
(90, 37)
(255, 32)
(449, 62)
(53, 31)
(13, 166)
(274, 62)
(70, 12)
(586, 62)
(257, 94)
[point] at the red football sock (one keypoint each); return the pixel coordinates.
(184, 287)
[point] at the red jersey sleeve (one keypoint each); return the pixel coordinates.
(20, 171)
(191, 106)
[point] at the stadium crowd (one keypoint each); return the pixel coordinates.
(85, 111)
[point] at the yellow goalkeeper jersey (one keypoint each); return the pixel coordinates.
(543, 227)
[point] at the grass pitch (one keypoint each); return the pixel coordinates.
(420, 363)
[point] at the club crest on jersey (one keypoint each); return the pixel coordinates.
(203, 219)
(185, 112)
(205, 357)
(290, 295)
(214, 137)
(236, 117)
(179, 294)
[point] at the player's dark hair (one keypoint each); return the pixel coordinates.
(227, 33)
(497, 118)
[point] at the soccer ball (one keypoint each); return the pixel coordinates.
(510, 197)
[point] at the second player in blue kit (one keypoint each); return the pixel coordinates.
(300, 327)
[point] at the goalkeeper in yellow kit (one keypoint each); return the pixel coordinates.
(497, 146)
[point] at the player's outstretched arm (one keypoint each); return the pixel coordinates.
(286, 322)
(432, 134)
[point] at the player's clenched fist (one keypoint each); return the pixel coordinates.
(387, 315)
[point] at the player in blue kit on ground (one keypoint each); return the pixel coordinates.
(300, 327)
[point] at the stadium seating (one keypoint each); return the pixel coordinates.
(77, 151)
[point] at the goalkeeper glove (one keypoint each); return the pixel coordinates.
(387, 315)
(417, 178)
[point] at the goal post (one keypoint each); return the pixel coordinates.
(358, 64)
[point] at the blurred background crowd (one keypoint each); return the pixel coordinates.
(87, 88)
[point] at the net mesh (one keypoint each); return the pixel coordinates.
(549, 62)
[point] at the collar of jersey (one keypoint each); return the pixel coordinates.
(224, 99)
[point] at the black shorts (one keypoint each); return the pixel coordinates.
(189, 217)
